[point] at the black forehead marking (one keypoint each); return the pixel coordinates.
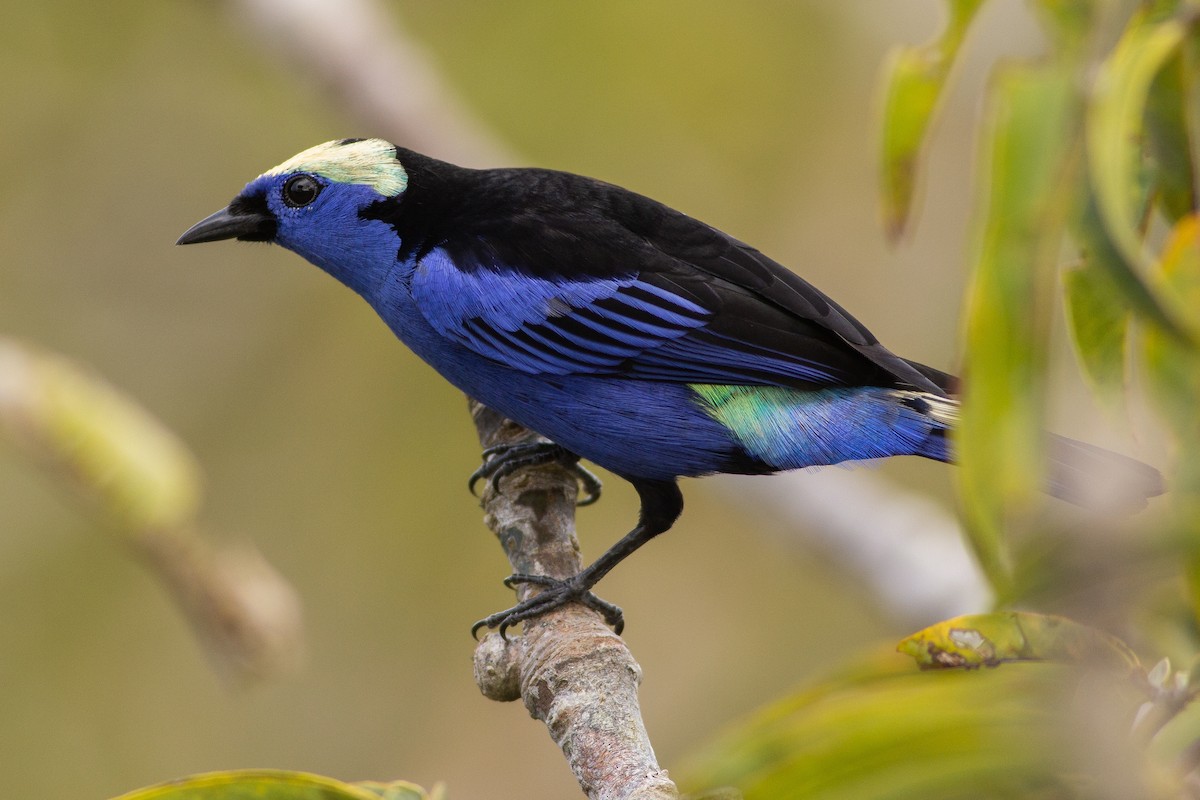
(344, 142)
(250, 204)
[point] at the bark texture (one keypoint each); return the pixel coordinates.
(567, 667)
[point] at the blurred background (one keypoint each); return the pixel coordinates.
(342, 457)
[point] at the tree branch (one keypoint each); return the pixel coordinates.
(571, 671)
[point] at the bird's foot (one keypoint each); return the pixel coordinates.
(556, 593)
(504, 459)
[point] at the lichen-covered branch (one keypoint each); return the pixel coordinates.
(569, 669)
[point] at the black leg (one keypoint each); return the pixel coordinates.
(662, 503)
(504, 459)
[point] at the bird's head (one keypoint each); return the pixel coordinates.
(317, 205)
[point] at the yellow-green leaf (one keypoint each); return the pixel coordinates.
(987, 640)
(1115, 128)
(1172, 371)
(913, 84)
(1173, 128)
(1069, 23)
(1109, 281)
(1035, 117)
(275, 785)
(888, 732)
(1173, 368)
(1098, 319)
(403, 790)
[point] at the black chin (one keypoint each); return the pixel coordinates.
(246, 219)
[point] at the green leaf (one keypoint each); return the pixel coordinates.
(1172, 371)
(987, 640)
(1115, 130)
(276, 785)
(1173, 368)
(884, 732)
(1173, 128)
(403, 790)
(1068, 22)
(915, 78)
(1098, 320)
(1035, 117)
(1101, 252)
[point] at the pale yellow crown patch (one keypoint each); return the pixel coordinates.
(371, 162)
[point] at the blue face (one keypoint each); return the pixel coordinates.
(320, 219)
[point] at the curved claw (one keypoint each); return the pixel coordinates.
(475, 478)
(493, 459)
(557, 594)
(614, 617)
(589, 485)
(512, 581)
(475, 629)
(500, 461)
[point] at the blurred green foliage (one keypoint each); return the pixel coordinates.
(267, 784)
(879, 730)
(1027, 173)
(915, 81)
(1089, 148)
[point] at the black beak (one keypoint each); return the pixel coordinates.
(246, 225)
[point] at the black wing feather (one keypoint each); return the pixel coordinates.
(765, 323)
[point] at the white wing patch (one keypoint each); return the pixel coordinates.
(371, 162)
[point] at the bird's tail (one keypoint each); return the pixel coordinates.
(1093, 477)
(1077, 472)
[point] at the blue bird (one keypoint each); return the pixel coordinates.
(623, 331)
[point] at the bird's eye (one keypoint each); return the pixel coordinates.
(300, 190)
